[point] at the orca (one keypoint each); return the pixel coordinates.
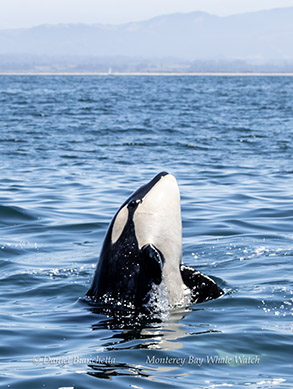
(141, 257)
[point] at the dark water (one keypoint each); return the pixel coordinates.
(72, 149)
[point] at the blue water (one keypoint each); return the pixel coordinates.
(72, 149)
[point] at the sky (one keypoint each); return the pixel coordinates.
(28, 13)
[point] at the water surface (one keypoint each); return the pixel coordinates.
(72, 149)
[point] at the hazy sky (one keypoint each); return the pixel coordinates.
(26, 13)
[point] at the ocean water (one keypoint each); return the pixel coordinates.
(72, 149)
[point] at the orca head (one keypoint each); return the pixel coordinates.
(143, 245)
(155, 211)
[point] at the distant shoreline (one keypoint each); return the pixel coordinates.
(142, 74)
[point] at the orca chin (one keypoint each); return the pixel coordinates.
(140, 264)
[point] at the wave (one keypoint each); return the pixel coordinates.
(11, 214)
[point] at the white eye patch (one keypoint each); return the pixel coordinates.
(119, 224)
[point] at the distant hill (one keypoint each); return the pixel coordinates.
(257, 37)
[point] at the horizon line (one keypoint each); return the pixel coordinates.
(194, 74)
